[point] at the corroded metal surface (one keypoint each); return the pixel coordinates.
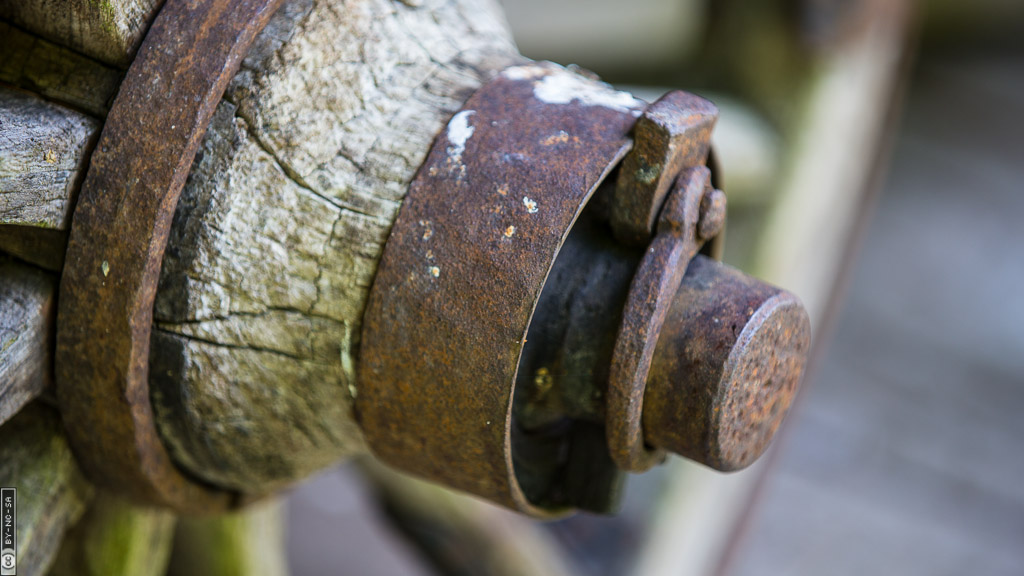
(727, 367)
(464, 267)
(725, 370)
(650, 296)
(117, 241)
(673, 134)
(558, 443)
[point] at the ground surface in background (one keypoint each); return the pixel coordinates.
(907, 454)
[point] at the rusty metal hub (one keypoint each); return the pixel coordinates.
(464, 267)
(535, 327)
(495, 365)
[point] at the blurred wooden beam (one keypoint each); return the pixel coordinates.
(117, 538)
(249, 542)
(463, 536)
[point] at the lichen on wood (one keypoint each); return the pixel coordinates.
(282, 222)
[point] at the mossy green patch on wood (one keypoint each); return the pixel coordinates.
(108, 15)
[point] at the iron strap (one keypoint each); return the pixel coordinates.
(464, 267)
(116, 246)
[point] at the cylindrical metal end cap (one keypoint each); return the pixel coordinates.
(726, 368)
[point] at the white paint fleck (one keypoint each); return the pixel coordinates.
(105, 267)
(523, 72)
(459, 132)
(348, 366)
(531, 205)
(435, 271)
(565, 87)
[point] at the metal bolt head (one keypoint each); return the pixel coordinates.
(726, 368)
(673, 134)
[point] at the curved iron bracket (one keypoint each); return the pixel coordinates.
(118, 235)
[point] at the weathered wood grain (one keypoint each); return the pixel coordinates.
(52, 494)
(43, 151)
(42, 247)
(108, 30)
(281, 225)
(60, 74)
(27, 315)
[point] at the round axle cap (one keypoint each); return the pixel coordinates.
(726, 368)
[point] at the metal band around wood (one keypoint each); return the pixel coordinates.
(465, 265)
(118, 235)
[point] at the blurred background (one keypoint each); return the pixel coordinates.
(873, 156)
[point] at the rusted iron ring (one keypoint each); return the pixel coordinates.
(119, 232)
(465, 265)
